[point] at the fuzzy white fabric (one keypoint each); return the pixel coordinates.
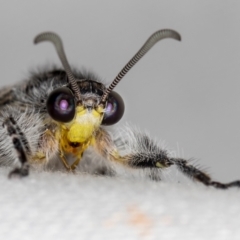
(57, 205)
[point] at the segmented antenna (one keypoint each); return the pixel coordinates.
(154, 38)
(57, 42)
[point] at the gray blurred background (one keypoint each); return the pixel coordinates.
(184, 94)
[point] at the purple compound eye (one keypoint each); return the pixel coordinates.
(61, 105)
(114, 109)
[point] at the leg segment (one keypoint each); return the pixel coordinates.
(196, 174)
(137, 150)
(20, 145)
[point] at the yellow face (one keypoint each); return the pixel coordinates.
(76, 135)
(84, 124)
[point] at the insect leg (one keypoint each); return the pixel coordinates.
(141, 155)
(137, 150)
(20, 145)
(196, 174)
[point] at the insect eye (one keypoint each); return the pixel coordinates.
(61, 105)
(114, 109)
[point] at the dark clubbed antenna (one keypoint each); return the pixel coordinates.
(57, 42)
(154, 38)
